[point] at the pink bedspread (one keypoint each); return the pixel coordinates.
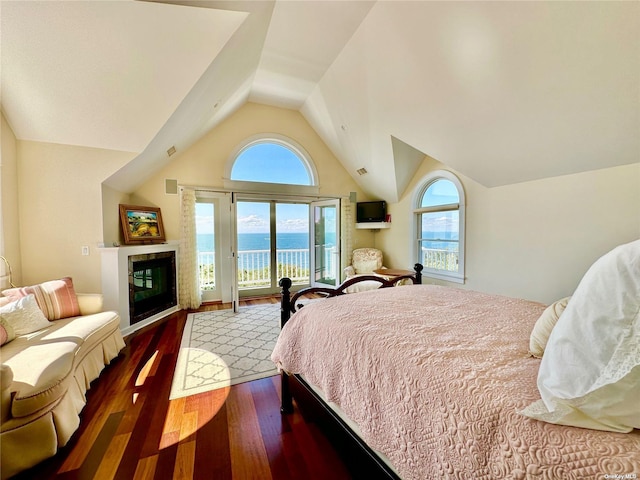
(434, 378)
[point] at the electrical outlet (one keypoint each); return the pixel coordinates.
(85, 250)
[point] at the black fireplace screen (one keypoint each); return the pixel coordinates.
(152, 284)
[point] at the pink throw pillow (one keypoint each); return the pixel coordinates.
(4, 336)
(56, 298)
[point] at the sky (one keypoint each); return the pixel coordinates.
(272, 163)
(253, 217)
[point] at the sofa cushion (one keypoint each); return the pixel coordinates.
(88, 330)
(42, 373)
(23, 316)
(44, 362)
(90, 303)
(56, 298)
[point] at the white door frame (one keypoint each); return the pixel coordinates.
(312, 235)
(223, 245)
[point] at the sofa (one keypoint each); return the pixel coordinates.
(45, 374)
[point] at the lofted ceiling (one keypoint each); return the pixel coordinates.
(503, 92)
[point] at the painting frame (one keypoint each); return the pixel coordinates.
(141, 225)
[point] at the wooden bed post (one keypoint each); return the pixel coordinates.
(285, 303)
(285, 312)
(418, 269)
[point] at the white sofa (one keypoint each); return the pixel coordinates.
(44, 377)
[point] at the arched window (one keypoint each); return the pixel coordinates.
(439, 226)
(269, 159)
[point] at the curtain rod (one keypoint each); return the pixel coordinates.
(198, 188)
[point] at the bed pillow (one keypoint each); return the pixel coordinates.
(590, 373)
(544, 325)
(56, 298)
(23, 316)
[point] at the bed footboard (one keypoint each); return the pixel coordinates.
(288, 303)
(360, 459)
(288, 306)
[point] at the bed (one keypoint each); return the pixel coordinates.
(432, 382)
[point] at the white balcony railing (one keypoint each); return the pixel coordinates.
(440, 259)
(254, 267)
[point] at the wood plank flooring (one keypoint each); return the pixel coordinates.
(131, 430)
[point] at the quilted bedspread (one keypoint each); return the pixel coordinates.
(435, 377)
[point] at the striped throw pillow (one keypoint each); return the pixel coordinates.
(4, 335)
(56, 298)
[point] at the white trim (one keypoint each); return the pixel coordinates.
(271, 188)
(430, 178)
(443, 275)
(423, 185)
(281, 192)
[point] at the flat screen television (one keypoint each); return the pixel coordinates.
(371, 211)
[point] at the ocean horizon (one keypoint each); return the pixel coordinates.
(300, 240)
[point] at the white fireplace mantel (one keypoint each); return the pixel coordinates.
(115, 281)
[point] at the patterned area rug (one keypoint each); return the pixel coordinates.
(222, 348)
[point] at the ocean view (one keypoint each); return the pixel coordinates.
(292, 241)
(259, 241)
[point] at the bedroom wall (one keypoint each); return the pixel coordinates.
(60, 201)
(536, 239)
(111, 200)
(204, 163)
(9, 203)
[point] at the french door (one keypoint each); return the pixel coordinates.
(272, 242)
(325, 232)
(214, 227)
(247, 243)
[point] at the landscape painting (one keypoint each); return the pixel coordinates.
(141, 224)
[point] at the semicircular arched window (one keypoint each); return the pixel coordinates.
(269, 161)
(439, 223)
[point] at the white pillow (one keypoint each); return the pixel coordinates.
(590, 373)
(544, 325)
(24, 316)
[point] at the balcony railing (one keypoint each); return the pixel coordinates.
(254, 267)
(440, 259)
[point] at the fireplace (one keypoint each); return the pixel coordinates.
(152, 284)
(153, 287)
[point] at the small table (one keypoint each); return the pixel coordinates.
(393, 272)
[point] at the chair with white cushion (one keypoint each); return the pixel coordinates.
(363, 262)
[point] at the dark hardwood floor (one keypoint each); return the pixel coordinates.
(131, 430)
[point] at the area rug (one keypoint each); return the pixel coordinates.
(222, 348)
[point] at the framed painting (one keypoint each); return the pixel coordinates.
(141, 224)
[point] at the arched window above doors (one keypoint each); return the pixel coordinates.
(272, 159)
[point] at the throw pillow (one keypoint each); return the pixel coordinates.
(590, 373)
(4, 334)
(23, 316)
(544, 325)
(56, 298)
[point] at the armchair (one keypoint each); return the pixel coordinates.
(363, 262)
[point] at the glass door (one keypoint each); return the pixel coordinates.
(292, 243)
(272, 242)
(326, 243)
(213, 238)
(255, 243)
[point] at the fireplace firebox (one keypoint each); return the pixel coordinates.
(152, 284)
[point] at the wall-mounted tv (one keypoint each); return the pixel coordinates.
(371, 211)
